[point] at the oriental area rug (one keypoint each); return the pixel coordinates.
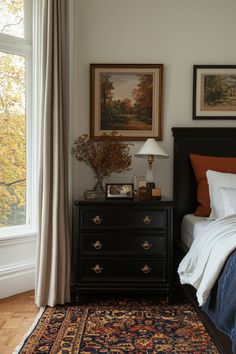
(119, 326)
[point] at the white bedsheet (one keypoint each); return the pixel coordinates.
(191, 227)
(207, 255)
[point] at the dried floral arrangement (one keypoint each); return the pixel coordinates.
(105, 155)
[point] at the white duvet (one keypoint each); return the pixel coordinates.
(207, 255)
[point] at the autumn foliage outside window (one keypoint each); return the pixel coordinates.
(12, 118)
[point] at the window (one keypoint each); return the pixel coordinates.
(16, 117)
(13, 140)
(12, 17)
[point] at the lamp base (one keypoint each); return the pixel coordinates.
(150, 185)
(149, 176)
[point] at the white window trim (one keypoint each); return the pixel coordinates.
(30, 48)
(36, 101)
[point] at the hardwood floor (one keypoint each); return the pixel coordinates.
(17, 314)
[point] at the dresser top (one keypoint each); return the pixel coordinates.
(162, 201)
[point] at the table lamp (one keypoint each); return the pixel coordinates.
(149, 150)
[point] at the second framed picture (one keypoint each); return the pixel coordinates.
(119, 191)
(214, 92)
(126, 98)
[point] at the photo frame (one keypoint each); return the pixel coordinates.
(214, 92)
(126, 98)
(119, 191)
(138, 180)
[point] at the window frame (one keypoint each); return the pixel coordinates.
(29, 47)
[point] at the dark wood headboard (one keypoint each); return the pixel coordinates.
(202, 141)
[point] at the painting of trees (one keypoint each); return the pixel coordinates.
(130, 109)
(12, 120)
(106, 99)
(143, 96)
(220, 91)
(126, 98)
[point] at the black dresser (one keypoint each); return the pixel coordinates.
(122, 246)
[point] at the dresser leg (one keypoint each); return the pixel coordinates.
(75, 296)
(169, 295)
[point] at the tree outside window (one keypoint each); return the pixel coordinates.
(12, 118)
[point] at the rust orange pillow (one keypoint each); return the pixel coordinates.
(201, 164)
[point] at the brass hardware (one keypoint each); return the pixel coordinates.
(146, 245)
(147, 220)
(97, 220)
(98, 245)
(97, 269)
(146, 269)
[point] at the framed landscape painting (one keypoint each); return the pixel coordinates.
(126, 98)
(214, 92)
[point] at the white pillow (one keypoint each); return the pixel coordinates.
(229, 200)
(217, 180)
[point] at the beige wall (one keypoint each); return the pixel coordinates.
(177, 33)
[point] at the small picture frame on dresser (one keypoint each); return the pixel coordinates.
(119, 191)
(138, 181)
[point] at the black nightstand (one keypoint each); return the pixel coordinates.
(122, 246)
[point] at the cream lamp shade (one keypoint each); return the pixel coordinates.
(150, 149)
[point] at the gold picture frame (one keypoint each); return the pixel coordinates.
(139, 181)
(126, 98)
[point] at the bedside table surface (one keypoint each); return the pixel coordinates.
(163, 201)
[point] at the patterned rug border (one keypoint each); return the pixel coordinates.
(106, 305)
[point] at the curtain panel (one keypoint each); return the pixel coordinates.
(53, 247)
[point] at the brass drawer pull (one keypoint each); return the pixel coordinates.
(97, 220)
(147, 220)
(97, 269)
(98, 245)
(146, 245)
(146, 269)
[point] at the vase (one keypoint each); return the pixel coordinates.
(98, 188)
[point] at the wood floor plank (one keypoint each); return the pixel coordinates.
(17, 314)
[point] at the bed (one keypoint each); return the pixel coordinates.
(202, 141)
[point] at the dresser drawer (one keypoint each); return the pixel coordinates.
(124, 219)
(132, 244)
(112, 269)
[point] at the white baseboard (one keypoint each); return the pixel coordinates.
(17, 278)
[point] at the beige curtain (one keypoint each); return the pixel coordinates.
(53, 253)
